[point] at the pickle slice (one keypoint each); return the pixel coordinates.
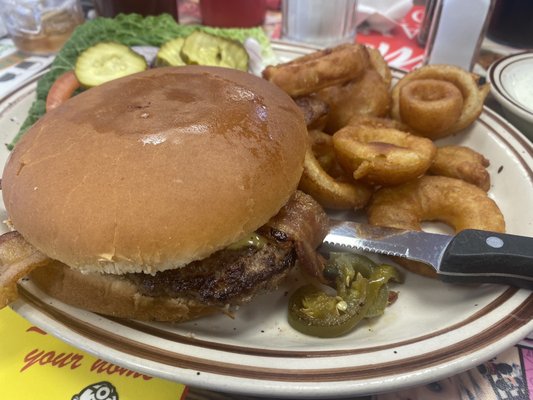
(170, 53)
(203, 48)
(106, 61)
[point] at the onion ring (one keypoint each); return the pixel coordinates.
(434, 198)
(322, 147)
(407, 103)
(380, 65)
(315, 71)
(382, 155)
(376, 122)
(368, 95)
(334, 192)
(462, 163)
(430, 106)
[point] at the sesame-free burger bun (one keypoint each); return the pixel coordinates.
(152, 171)
(111, 294)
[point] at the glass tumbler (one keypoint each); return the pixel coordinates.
(40, 26)
(319, 22)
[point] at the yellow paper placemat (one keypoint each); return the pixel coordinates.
(36, 365)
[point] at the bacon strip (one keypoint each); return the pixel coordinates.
(17, 259)
(306, 223)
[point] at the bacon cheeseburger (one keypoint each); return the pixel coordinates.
(164, 195)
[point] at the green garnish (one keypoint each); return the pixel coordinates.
(130, 30)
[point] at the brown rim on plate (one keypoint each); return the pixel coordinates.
(512, 321)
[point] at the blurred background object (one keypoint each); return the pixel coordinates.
(457, 31)
(3, 30)
(512, 23)
(233, 13)
(313, 22)
(425, 26)
(382, 15)
(40, 26)
(110, 8)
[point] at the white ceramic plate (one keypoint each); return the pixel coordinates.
(511, 80)
(513, 77)
(434, 330)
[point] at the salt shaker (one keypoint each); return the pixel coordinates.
(456, 31)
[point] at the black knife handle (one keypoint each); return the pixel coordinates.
(475, 256)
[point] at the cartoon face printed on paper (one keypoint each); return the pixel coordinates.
(97, 391)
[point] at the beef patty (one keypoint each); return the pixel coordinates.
(229, 276)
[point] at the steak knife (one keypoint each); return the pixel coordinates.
(470, 256)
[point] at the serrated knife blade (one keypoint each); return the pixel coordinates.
(471, 256)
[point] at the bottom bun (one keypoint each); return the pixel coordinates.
(113, 295)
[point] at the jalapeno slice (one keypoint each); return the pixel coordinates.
(348, 264)
(378, 281)
(361, 292)
(313, 312)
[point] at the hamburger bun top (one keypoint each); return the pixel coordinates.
(157, 169)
